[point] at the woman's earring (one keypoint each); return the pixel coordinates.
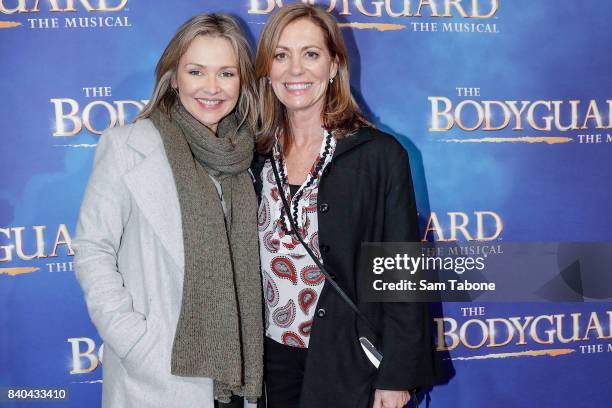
(331, 80)
(269, 80)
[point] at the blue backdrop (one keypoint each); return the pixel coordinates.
(504, 107)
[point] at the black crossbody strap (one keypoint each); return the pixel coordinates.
(294, 232)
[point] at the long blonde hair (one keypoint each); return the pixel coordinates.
(340, 112)
(213, 25)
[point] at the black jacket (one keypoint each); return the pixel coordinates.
(365, 195)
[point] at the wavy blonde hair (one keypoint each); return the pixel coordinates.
(340, 112)
(213, 25)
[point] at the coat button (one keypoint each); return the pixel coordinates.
(324, 248)
(321, 312)
(324, 207)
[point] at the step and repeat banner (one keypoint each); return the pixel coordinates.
(504, 106)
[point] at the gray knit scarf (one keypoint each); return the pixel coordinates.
(219, 333)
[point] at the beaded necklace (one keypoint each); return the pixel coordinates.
(314, 174)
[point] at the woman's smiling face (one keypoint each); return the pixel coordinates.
(207, 80)
(302, 67)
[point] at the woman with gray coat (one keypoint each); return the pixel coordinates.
(166, 244)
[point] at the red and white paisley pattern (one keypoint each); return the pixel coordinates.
(291, 244)
(284, 316)
(312, 275)
(270, 290)
(306, 299)
(274, 195)
(270, 242)
(305, 327)
(284, 268)
(314, 244)
(291, 283)
(291, 339)
(263, 215)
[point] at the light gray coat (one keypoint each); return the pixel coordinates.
(129, 261)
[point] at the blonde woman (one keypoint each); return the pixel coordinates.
(166, 244)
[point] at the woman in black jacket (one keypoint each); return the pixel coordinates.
(346, 183)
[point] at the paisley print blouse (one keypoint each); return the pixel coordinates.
(291, 280)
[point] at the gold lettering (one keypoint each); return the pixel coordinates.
(533, 331)
(256, 8)
(117, 114)
(594, 324)
(8, 249)
(431, 4)
(55, 7)
(493, 332)
(547, 119)
(459, 111)
(331, 7)
(377, 6)
(104, 7)
(436, 114)
(60, 116)
(404, 13)
(521, 328)
(77, 367)
(345, 11)
(593, 114)
(574, 115)
(462, 227)
(62, 238)
(518, 113)
(491, 13)
(19, 8)
(40, 242)
(463, 331)
(70, 5)
(372, 8)
(488, 114)
(434, 225)
(575, 328)
(450, 333)
(499, 225)
(87, 116)
(453, 3)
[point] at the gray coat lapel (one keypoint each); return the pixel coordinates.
(151, 183)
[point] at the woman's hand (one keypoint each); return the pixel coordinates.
(390, 399)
